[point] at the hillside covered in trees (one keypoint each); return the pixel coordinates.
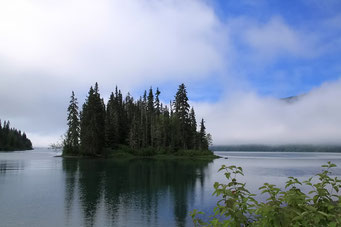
(12, 139)
(142, 127)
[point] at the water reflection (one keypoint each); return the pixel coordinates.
(10, 165)
(3, 166)
(70, 167)
(121, 192)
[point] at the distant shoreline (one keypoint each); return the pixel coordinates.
(16, 149)
(279, 148)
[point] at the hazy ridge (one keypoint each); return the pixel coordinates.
(279, 148)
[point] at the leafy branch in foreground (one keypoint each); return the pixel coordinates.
(238, 207)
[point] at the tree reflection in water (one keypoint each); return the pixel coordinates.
(70, 168)
(141, 192)
(11, 165)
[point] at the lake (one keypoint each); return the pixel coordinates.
(38, 189)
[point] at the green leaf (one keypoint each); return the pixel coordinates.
(332, 224)
(227, 175)
(324, 214)
(222, 167)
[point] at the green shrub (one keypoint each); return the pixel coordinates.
(193, 153)
(125, 149)
(238, 207)
(146, 152)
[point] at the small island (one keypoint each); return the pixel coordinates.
(129, 128)
(12, 139)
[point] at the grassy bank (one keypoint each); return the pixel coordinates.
(124, 152)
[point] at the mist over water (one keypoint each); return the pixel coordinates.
(249, 118)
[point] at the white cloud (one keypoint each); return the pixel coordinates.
(130, 40)
(277, 38)
(247, 118)
(48, 48)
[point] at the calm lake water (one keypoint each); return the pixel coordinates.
(38, 189)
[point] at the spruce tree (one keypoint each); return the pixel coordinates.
(134, 139)
(12, 139)
(139, 124)
(193, 130)
(150, 118)
(182, 123)
(129, 113)
(143, 126)
(122, 119)
(71, 141)
(202, 136)
(166, 130)
(112, 123)
(157, 102)
(93, 124)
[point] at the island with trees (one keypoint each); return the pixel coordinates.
(12, 139)
(125, 127)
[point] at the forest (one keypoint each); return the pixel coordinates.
(12, 139)
(142, 127)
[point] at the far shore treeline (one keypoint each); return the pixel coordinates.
(280, 148)
(12, 139)
(142, 127)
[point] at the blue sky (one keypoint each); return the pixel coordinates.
(296, 74)
(287, 74)
(230, 54)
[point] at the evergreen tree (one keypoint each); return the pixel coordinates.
(13, 139)
(166, 128)
(209, 139)
(71, 142)
(134, 139)
(141, 124)
(157, 102)
(112, 123)
(181, 108)
(150, 105)
(129, 113)
(193, 130)
(150, 118)
(122, 119)
(93, 124)
(202, 136)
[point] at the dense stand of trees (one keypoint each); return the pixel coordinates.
(13, 139)
(140, 124)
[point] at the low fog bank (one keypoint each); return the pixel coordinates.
(247, 118)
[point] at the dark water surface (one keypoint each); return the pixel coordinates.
(38, 189)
